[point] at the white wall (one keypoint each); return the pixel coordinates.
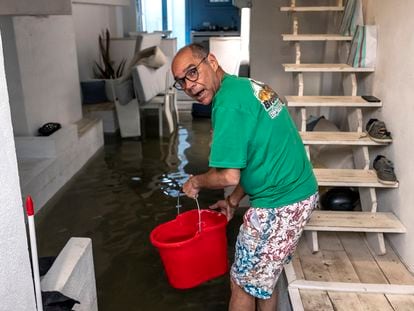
(46, 55)
(38, 7)
(16, 286)
(90, 21)
(14, 85)
(129, 14)
(268, 52)
(393, 82)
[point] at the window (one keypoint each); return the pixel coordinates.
(151, 15)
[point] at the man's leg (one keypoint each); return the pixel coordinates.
(240, 300)
(268, 304)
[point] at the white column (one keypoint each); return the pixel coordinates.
(16, 284)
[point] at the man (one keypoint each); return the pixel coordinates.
(256, 148)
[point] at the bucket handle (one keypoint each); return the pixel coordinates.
(178, 206)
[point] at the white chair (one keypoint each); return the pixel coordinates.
(153, 90)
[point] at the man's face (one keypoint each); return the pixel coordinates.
(206, 85)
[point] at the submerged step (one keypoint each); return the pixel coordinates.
(354, 222)
(349, 178)
(339, 138)
(85, 124)
(324, 68)
(315, 37)
(311, 8)
(330, 101)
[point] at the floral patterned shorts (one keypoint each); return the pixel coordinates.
(266, 242)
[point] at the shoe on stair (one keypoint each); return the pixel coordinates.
(377, 131)
(385, 170)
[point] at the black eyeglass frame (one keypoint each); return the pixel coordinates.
(179, 83)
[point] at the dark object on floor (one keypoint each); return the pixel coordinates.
(371, 99)
(385, 170)
(48, 128)
(45, 263)
(55, 301)
(377, 131)
(339, 199)
(93, 92)
(201, 111)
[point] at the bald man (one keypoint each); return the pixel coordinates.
(256, 148)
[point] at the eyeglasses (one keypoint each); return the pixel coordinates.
(191, 75)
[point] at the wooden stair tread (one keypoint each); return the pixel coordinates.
(324, 68)
(311, 8)
(330, 101)
(354, 222)
(316, 37)
(349, 178)
(338, 138)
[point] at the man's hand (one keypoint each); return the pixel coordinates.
(190, 187)
(224, 208)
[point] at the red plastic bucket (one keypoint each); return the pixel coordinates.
(191, 257)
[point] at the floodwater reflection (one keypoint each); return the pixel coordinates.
(126, 190)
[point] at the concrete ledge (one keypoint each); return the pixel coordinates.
(104, 111)
(46, 146)
(73, 274)
(43, 177)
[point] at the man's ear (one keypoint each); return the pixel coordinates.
(213, 61)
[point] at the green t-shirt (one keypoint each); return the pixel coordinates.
(253, 131)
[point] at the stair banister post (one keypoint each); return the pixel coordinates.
(368, 197)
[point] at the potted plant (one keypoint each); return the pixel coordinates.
(109, 72)
(108, 69)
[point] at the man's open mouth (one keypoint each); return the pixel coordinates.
(200, 94)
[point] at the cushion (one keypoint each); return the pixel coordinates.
(149, 82)
(153, 57)
(146, 40)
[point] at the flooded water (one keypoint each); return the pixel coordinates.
(126, 190)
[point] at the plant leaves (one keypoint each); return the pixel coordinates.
(121, 68)
(99, 72)
(107, 70)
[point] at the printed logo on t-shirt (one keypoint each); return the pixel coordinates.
(267, 97)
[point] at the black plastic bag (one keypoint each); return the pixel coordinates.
(48, 128)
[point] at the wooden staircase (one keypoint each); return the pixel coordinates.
(373, 223)
(317, 279)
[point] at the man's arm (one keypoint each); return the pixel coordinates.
(214, 178)
(236, 196)
(229, 205)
